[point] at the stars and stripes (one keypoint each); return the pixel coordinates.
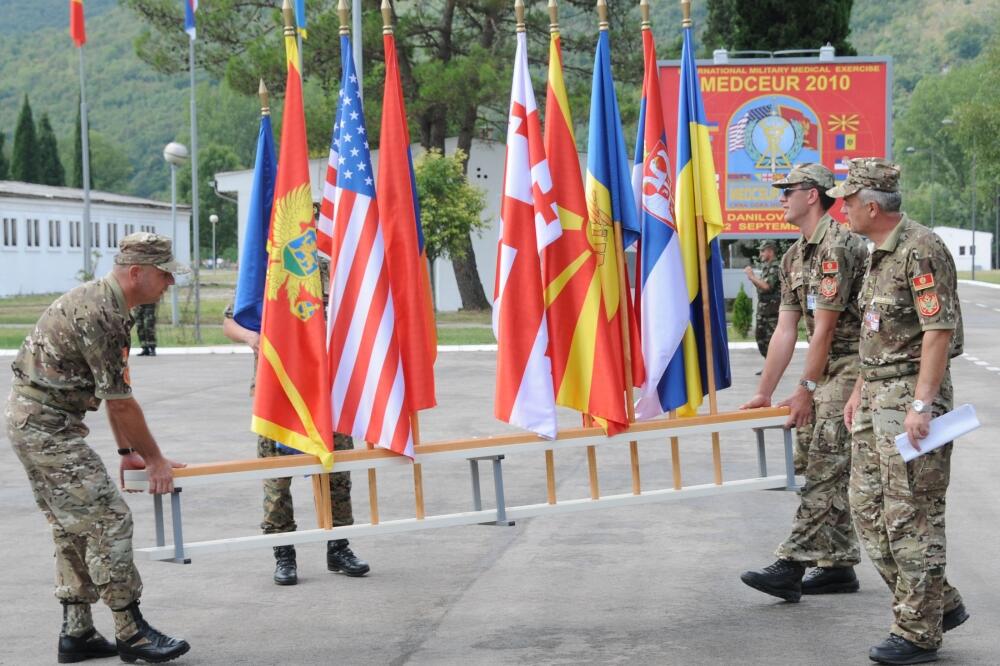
(737, 131)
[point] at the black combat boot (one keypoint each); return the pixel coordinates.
(285, 570)
(830, 580)
(782, 579)
(147, 643)
(152, 350)
(956, 616)
(144, 352)
(339, 557)
(898, 650)
(91, 645)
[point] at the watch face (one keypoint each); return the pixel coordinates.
(919, 407)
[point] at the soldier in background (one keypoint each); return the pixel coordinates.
(912, 328)
(145, 328)
(821, 275)
(279, 515)
(76, 357)
(768, 295)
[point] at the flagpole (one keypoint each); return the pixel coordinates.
(196, 264)
(358, 64)
(713, 407)
(88, 268)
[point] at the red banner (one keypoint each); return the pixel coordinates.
(766, 116)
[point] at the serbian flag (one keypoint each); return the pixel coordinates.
(368, 394)
(584, 333)
(190, 7)
(610, 202)
(249, 303)
(77, 30)
(697, 197)
(661, 290)
(405, 255)
(529, 221)
(292, 399)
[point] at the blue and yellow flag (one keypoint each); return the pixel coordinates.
(697, 197)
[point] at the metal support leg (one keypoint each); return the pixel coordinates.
(477, 498)
(789, 460)
(175, 520)
(761, 454)
(498, 487)
(158, 519)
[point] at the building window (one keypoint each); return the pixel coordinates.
(129, 229)
(96, 240)
(148, 228)
(55, 233)
(74, 234)
(112, 234)
(961, 250)
(31, 235)
(9, 232)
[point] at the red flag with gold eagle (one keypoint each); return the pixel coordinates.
(292, 398)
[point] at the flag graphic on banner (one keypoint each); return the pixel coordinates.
(190, 7)
(292, 400)
(77, 29)
(368, 393)
(529, 221)
(661, 289)
(697, 196)
(584, 335)
(248, 305)
(406, 257)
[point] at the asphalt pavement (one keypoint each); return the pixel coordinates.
(651, 584)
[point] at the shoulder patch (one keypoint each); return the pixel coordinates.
(828, 286)
(921, 282)
(830, 267)
(928, 303)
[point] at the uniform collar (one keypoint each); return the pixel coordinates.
(116, 289)
(892, 240)
(819, 233)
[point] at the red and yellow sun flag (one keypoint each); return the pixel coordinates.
(76, 27)
(292, 399)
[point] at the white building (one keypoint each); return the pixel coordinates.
(41, 246)
(959, 242)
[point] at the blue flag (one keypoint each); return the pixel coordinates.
(300, 17)
(253, 261)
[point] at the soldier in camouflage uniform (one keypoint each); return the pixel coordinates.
(912, 327)
(768, 295)
(821, 275)
(279, 514)
(77, 356)
(145, 328)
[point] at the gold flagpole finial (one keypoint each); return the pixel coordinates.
(289, 16)
(386, 17)
(644, 10)
(265, 109)
(602, 15)
(519, 14)
(345, 21)
(553, 16)
(686, 21)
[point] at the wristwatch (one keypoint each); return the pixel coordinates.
(125, 452)
(920, 407)
(808, 385)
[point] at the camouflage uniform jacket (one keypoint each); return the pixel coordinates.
(77, 354)
(911, 286)
(768, 301)
(826, 273)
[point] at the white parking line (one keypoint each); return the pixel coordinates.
(982, 363)
(981, 305)
(993, 368)
(970, 358)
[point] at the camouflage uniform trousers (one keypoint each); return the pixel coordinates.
(899, 508)
(145, 324)
(279, 515)
(91, 523)
(764, 327)
(822, 533)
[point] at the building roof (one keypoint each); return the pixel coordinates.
(10, 189)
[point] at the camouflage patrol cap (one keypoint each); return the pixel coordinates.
(812, 172)
(767, 243)
(871, 173)
(148, 249)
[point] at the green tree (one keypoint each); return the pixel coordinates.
(50, 168)
(76, 177)
(110, 168)
(450, 208)
(742, 313)
(4, 166)
(775, 25)
(23, 163)
(212, 159)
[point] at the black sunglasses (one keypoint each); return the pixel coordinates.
(786, 190)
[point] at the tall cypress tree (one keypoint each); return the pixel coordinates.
(23, 161)
(76, 177)
(50, 168)
(775, 25)
(4, 165)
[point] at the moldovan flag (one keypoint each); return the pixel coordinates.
(368, 393)
(584, 333)
(529, 221)
(610, 201)
(661, 290)
(697, 197)
(77, 29)
(405, 255)
(292, 399)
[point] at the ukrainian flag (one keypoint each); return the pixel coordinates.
(697, 198)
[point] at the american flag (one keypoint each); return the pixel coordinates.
(324, 227)
(368, 396)
(737, 130)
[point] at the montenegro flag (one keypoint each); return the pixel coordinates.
(292, 398)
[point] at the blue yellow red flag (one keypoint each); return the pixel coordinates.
(697, 198)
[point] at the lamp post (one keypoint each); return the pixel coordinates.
(214, 219)
(176, 154)
(948, 122)
(911, 150)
